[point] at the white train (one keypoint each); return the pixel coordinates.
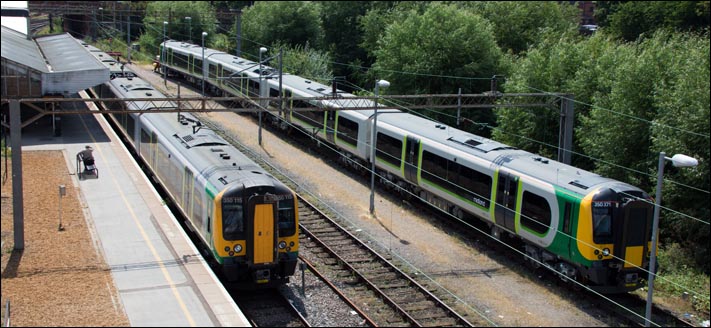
(586, 227)
(246, 219)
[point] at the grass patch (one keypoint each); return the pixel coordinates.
(677, 275)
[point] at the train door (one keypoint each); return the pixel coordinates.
(637, 218)
(219, 76)
(187, 191)
(506, 192)
(330, 125)
(191, 64)
(263, 217)
(412, 157)
(286, 106)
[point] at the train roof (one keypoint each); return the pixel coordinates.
(554, 172)
(208, 153)
(496, 153)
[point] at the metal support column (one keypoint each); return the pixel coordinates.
(565, 136)
(17, 201)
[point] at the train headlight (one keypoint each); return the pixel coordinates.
(282, 244)
(227, 248)
(238, 248)
(605, 251)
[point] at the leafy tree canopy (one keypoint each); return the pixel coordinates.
(629, 20)
(289, 22)
(442, 41)
(519, 24)
(178, 27)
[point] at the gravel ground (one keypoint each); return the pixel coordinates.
(59, 279)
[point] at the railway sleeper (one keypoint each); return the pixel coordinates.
(323, 230)
(417, 306)
(444, 322)
(429, 314)
(411, 297)
(363, 261)
(380, 271)
(340, 242)
(399, 289)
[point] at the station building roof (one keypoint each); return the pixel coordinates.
(55, 64)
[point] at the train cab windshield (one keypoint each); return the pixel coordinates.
(232, 220)
(602, 222)
(287, 217)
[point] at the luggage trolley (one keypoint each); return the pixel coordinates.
(89, 165)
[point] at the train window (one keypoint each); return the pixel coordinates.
(287, 217)
(347, 131)
(145, 145)
(535, 213)
(130, 126)
(274, 93)
(197, 68)
(180, 60)
(434, 168)
(389, 149)
(311, 117)
(474, 186)
(566, 218)
(232, 220)
(212, 71)
(602, 222)
(253, 88)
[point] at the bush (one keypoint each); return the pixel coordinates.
(677, 274)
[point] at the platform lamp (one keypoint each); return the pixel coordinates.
(378, 85)
(204, 34)
(679, 160)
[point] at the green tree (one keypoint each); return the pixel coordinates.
(442, 41)
(421, 53)
(682, 126)
(343, 36)
(519, 24)
(178, 28)
(548, 67)
(304, 61)
(631, 19)
(289, 22)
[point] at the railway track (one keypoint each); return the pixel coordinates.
(358, 272)
(268, 308)
(390, 296)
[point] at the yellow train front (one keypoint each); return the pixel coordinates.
(255, 238)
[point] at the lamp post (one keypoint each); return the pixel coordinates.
(679, 160)
(378, 85)
(204, 34)
(162, 58)
(261, 87)
(190, 28)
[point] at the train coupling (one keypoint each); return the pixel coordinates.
(262, 276)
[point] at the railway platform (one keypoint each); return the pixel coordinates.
(160, 276)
